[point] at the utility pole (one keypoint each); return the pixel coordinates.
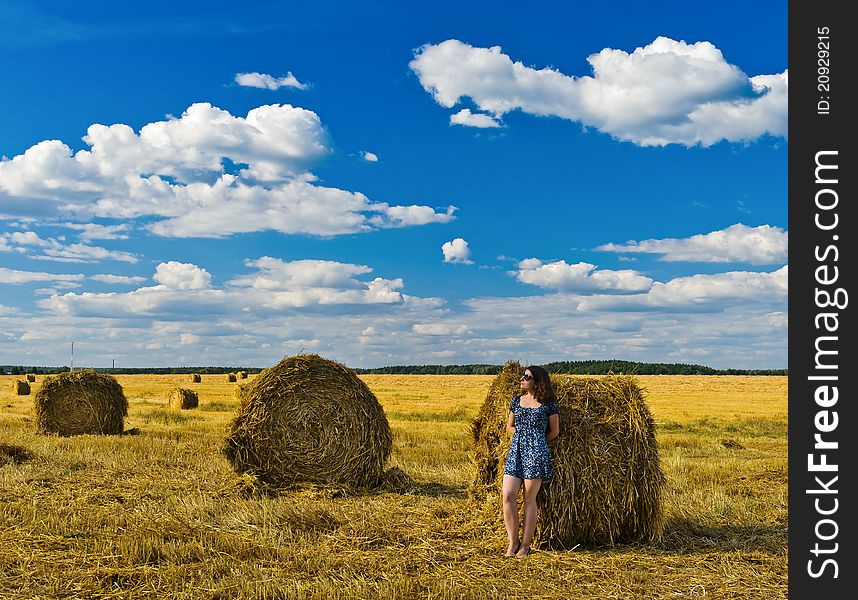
(113, 368)
(72, 358)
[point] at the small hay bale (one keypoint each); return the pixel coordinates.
(242, 374)
(183, 398)
(309, 419)
(31, 377)
(607, 485)
(230, 377)
(80, 402)
(195, 378)
(20, 387)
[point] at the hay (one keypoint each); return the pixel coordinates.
(607, 485)
(20, 388)
(195, 378)
(183, 398)
(230, 377)
(80, 402)
(242, 374)
(31, 378)
(238, 391)
(309, 419)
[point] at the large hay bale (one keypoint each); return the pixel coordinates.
(20, 388)
(230, 377)
(31, 377)
(607, 485)
(195, 378)
(309, 419)
(242, 374)
(183, 398)
(80, 402)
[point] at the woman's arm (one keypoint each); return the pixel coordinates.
(553, 427)
(510, 423)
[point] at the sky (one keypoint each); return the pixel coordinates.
(203, 183)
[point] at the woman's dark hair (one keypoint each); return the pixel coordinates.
(543, 391)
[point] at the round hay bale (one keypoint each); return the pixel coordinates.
(607, 486)
(230, 377)
(31, 377)
(80, 402)
(242, 374)
(20, 387)
(183, 398)
(309, 419)
(195, 378)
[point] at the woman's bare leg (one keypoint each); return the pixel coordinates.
(531, 489)
(511, 485)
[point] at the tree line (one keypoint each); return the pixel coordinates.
(575, 367)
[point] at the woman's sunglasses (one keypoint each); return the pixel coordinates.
(526, 377)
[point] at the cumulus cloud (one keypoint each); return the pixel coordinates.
(369, 156)
(439, 329)
(666, 92)
(582, 276)
(175, 171)
(457, 251)
(94, 231)
(182, 276)
(738, 243)
(57, 250)
(268, 82)
(466, 117)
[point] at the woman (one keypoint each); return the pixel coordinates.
(533, 421)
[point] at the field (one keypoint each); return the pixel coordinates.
(159, 513)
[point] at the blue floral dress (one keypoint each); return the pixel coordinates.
(529, 456)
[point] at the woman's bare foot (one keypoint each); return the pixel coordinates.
(522, 552)
(510, 552)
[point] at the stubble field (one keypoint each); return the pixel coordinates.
(159, 513)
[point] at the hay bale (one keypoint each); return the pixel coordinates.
(80, 402)
(230, 377)
(195, 378)
(242, 374)
(183, 398)
(20, 387)
(607, 486)
(31, 377)
(309, 419)
(238, 391)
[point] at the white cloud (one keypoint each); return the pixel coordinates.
(439, 329)
(457, 251)
(187, 339)
(369, 156)
(175, 171)
(29, 242)
(182, 276)
(93, 231)
(118, 279)
(579, 277)
(738, 243)
(13, 276)
(481, 120)
(666, 92)
(265, 81)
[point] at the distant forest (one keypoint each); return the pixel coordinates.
(576, 367)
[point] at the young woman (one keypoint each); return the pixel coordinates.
(533, 421)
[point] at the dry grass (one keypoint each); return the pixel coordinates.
(162, 515)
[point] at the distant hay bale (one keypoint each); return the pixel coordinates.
(230, 377)
(31, 377)
(607, 485)
(183, 398)
(195, 378)
(309, 419)
(20, 387)
(242, 374)
(80, 402)
(238, 391)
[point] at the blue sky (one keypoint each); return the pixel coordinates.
(202, 183)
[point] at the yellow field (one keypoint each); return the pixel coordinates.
(161, 514)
